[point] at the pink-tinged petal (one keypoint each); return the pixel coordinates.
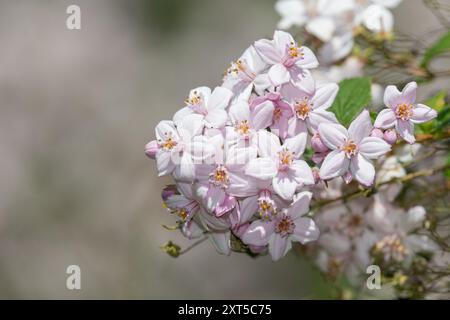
(165, 128)
(302, 173)
(406, 130)
(409, 93)
(279, 246)
(211, 222)
(216, 118)
(219, 99)
(284, 185)
(215, 196)
(185, 189)
(242, 185)
(164, 163)
(373, 148)
(296, 126)
(262, 168)
(309, 60)
(392, 97)
(280, 127)
(333, 135)
(262, 115)
(278, 74)
(240, 111)
(267, 51)
(347, 177)
(185, 170)
(318, 116)
(318, 157)
(300, 205)
(261, 83)
(317, 144)
(191, 126)
(192, 230)
(296, 144)
(182, 113)
(361, 127)
(422, 113)
(362, 169)
(390, 136)
(282, 40)
(259, 233)
(226, 206)
(377, 133)
(151, 149)
(221, 241)
(294, 91)
(335, 164)
(268, 144)
(248, 207)
(385, 119)
(325, 95)
(305, 230)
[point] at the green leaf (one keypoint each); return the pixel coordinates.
(354, 94)
(441, 46)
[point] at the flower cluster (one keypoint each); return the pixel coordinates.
(236, 152)
(335, 22)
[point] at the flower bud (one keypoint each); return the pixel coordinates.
(377, 133)
(317, 144)
(151, 148)
(390, 136)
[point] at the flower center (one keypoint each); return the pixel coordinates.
(219, 176)
(169, 143)
(302, 108)
(294, 51)
(277, 113)
(285, 226)
(239, 67)
(286, 157)
(404, 111)
(350, 148)
(194, 99)
(243, 127)
(391, 248)
(182, 213)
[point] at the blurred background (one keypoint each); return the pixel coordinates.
(77, 108)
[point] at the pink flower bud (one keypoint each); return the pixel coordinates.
(317, 144)
(169, 191)
(318, 157)
(390, 136)
(151, 148)
(377, 133)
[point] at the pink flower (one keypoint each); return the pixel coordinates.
(287, 226)
(207, 106)
(281, 164)
(352, 150)
(282, 112)
(247, 71)
(309, 106)
(403, 112)
(287, 60)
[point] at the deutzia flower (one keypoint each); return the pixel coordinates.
(352, 150)
(403, 112)
(281, 164)
(286, 58)
(287, 226)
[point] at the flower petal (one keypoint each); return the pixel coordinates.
(385, 119)
(335, 164)
(318, 116)
(305, 230)
(262, 115)
(279, 246)
(248, 208)
(296, 144)
(268, 143)
(422, 113)
(332, 135)
(372, 147)
(239, 111)
(409, 93)
(325, 95)
(258, 233)
(266, 49)
(300, 204)
(362, 169)
(278, 74)
(284, 185)
(219, 99)
(392, 97)
(361, 127)
(309, 60)
(302, 173)
(221, 241)
(406, 130)
(261, 168)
